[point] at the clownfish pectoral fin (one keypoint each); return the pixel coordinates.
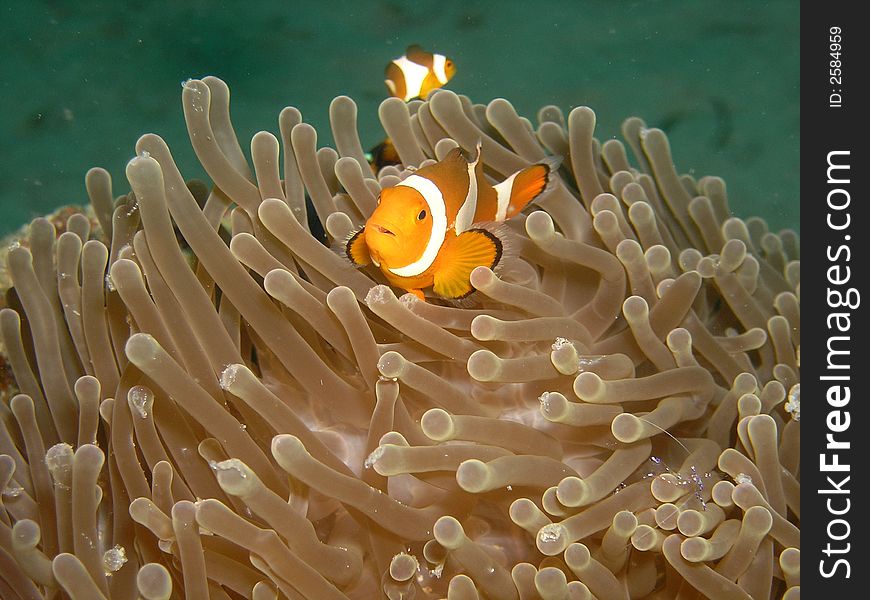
(520, 189)
(357, 250)
(464, 253)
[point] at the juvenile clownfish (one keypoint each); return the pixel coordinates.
(427, 230)
(382, 155)
(417, 72)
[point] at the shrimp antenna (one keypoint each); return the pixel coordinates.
(666, 432)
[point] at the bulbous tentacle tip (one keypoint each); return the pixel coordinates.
(145, 174)
(287, 448)
(141, 348)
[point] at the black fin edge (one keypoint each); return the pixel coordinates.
(499, 247)
(349, 242)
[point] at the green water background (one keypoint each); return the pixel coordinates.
(81, 81)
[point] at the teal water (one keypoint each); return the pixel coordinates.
(81, 81)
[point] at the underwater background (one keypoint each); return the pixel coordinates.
(82, 81)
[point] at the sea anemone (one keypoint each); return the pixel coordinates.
(210, 402)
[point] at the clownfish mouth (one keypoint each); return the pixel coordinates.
(384, 230)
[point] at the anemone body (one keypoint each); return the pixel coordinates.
(212, 403)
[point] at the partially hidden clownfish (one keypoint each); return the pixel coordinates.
(430, 229)
(382, 155)
(417, 72)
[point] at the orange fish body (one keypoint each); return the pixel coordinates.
(417, 72)
(425, 231)
(413, 75)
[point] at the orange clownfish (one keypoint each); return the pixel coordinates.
(427, 230)
(382, 155)
(417, 72)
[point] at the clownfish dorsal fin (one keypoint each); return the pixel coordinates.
(460, 256)
(416, 54)
(356, 249)
(452, 162)
(455, 155)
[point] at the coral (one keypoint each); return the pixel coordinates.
(215, 404)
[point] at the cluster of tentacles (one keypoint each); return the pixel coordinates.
(212, 403)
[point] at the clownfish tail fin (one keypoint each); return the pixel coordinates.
(552, 163)
(520, 189)
(355, 248)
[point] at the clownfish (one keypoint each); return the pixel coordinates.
(430, 229)
(417, 72)
(410, 76)
(382, 155)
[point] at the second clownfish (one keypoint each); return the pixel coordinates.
(428, 230)
(417, 72)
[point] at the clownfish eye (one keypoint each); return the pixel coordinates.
(449, 63)
(422, 215)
